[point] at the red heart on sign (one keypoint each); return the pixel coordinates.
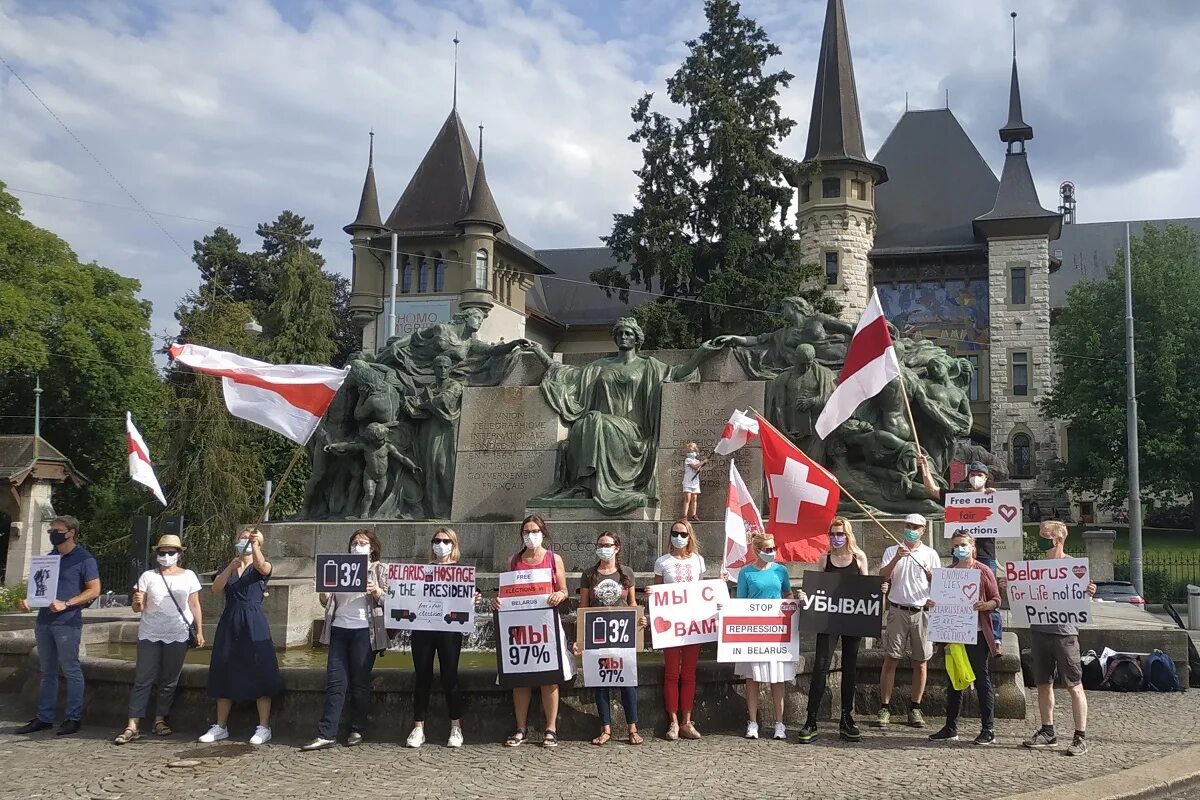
(1080, 570)
(1008, 512)
(970, 590)
(661, 625)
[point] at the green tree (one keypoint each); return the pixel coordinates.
(240, 276)
(287, 231)
(82, 330)
(1089, 389)
(710, 223)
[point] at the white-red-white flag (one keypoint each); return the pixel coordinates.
(290, 399)
(870, 364)
(742, 521)
(738, 432)
(804, 499)
(140, 468)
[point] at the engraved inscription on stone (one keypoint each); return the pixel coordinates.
(507, 418)
(697, 412)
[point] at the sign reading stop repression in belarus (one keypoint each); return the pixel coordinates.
(685, 613)
(758, 630)
(1048, 592)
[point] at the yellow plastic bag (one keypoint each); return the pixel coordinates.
(958, 667)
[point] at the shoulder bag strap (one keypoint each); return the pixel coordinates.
(179, 608)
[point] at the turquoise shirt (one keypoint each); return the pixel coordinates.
(771, 583)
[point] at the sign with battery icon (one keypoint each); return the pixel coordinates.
(609, 638)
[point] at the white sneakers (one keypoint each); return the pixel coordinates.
(751, 730)
(456, 738)
(262, 735)
(215, 734)
(416, 738)
(780, 731)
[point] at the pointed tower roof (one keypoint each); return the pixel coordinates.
(439, 193)
(835, 128)
(483, 206)
(368, 205)
(1015, 130)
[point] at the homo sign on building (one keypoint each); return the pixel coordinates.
(416, 315)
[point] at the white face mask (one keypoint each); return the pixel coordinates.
(977, 482)
(441, 550)
(168, 559)
(606, 553)
(361, 549)
(678, 542)
(533, 539)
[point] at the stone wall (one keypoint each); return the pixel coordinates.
(846, 226)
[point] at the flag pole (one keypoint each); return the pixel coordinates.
(908, 410)
(279, 485)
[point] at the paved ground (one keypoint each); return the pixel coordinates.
(898, 763)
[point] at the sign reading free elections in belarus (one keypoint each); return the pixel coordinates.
(1048, 592)
(685, 613)
(526, 588)
(955, 593)
(758, 630)
(430, 597)
(984, 515)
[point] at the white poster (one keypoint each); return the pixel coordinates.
(955, 593)
(984, 515)
(685, 613)
(610, 667)
(417, 315)
(1048, 592)
(530, 648)
(758, 630)
(430, 597)
(43, 581)
(526, 588)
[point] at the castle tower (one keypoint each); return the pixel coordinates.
(367, 290)
(835, 218)
(1018, 232)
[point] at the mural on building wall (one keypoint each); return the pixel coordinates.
(954, 312)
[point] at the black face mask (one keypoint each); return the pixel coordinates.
(57, 537)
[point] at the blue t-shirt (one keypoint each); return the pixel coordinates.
(76, 568)
(771, 583)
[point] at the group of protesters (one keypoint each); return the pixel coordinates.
(244, 666)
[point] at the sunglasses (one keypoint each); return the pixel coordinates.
(681, 534)
(168, 552)
(767, 550)
(442, 541)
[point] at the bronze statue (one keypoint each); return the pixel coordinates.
(766, 355)
(437, 408)
(795, 397)
(377, 455)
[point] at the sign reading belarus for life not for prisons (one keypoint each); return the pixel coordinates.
(530, 649)
(955, 593)
(609, 638)
(1048, 592)
(685, 613)
(984, 515)
(758, 630)
(430, 597)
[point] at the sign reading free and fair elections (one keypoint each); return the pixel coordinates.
(685, 613)
(1048, 592)
(758, 630)
(430, 597)
(984, 515)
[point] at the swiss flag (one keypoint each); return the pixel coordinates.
(804, 498)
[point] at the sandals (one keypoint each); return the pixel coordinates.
(128, 735)
(550, 739)
(604, 738)
(635, 737)
(516, 738)
(161, 728)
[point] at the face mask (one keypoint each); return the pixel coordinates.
(962, 552)
(605, 553)
(837, 540)
(978, 482)
(678, 542)
(911, 535)
(1045, 545)
(441, 550)
(243, 546)
(168, 559)
(767, 557)
(57, 537)
(532, 540)
(361, 549)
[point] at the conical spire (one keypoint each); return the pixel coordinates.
(439, 192)
(368, 218)
(483, 206)
(1015, 130)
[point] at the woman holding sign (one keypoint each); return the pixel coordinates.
(680, 564)
(844, 555)
(962, 547)
(764, 580)
(354, 633)
(610, 583)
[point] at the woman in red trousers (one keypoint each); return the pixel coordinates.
(681, 563)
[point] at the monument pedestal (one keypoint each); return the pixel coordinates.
(580, 510)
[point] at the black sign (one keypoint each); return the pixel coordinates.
(342, 573)
(841, 603)
(606, 627)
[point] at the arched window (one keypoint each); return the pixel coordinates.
(439, 274)
(423, 276)
(405, 276)
(1022, 456)
(481, 269)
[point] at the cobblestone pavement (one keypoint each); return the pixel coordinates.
(897, 763)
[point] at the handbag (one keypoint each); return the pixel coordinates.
(191, 626)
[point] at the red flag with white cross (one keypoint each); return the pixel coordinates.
(804, 499)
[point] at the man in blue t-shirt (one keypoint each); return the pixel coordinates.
(59, 627)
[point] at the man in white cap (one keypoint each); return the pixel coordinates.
(908, 570)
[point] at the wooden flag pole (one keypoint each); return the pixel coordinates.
(908, 410)
(282, 479)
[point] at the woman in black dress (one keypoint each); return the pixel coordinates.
(243, 664)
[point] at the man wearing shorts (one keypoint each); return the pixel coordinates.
(1056, 647)
(908, 570)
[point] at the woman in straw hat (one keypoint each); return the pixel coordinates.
(168, 599)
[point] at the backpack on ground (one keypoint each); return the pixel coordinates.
(1160, 673)
(1123, 673)
(1093, 673)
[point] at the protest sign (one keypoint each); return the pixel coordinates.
(685, 613)
(984, 515)
(955, 593)
(525, 588)
(342, 572)
(1048, 592)
(758, 630)
(530, 648)
(430, 597)
(609, 638)
(43, 581)
(842, 604)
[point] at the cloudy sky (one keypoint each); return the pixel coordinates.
(227, 111)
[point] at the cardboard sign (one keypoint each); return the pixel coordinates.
(526, 588)
(613, 667)
(758, 630)
(609, 637)
(43, 581)
(1048, 592)
(955, 593)
(342, 572)
(842, 604)
(530, 648)
(430, 597)
(685, 613)
(984, 515)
